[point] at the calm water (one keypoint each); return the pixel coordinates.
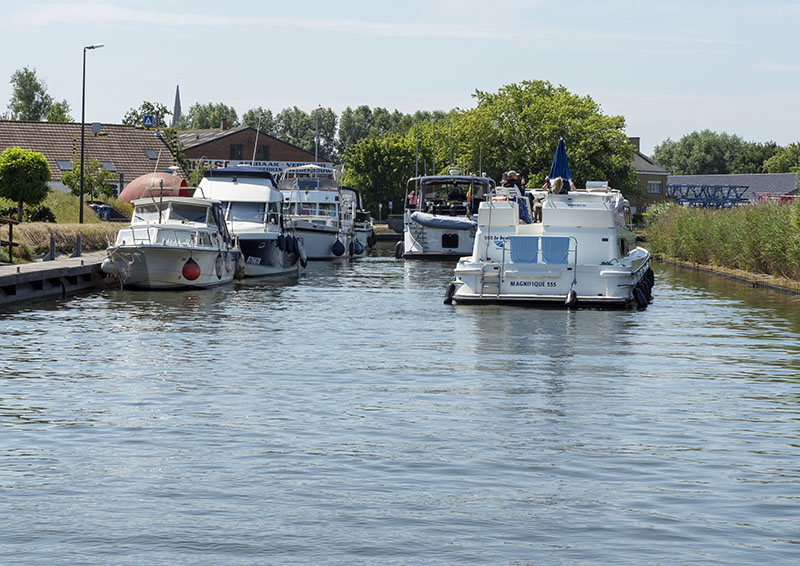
(352, 418)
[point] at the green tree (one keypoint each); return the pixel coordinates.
(785, 160)
(29, 98)
(380, 168)
(261, 119)
(300, 128)
(519, 127)
(135, 116)
(699, 153)
(752, 156)
(208, 116)
(95, 179)
(59, 112)
(23, 177)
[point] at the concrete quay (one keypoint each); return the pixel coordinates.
(51, 279)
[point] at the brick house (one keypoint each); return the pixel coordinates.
(223, 147)
(652, 177)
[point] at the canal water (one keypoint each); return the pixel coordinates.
(352, 418)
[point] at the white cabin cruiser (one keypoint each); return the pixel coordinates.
(439, 218)
(252, 205)
(312, 200)
(363, 228)
(173, 242)
(582, 252)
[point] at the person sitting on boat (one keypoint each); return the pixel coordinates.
(512, 182)
(455, 194)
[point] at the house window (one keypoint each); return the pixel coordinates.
(262, 153)
(236, 151)
(654, 187)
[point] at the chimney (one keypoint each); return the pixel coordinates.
(224, 124)
(635, 143)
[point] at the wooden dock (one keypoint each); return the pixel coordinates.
(50, 279)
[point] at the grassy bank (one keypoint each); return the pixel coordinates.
(34, 238)
(762, 238)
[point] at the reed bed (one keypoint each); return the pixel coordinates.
(761, 238)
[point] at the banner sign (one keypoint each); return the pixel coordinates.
(274, 167)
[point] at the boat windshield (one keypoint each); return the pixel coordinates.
(327, 209)
(188, 212)
(145, 213)
(247, 212)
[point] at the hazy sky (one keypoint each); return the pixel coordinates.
(669, 67)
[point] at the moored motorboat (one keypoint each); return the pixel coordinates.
(439, 217)
(582, 252)
(362, 226)
(173, 242)
(253, 210)
(312, 203)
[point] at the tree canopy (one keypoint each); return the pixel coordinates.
(135, 116)
(205, 116)
(29, 98)
(23, 176)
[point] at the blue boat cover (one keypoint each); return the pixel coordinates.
(560, 167)
(443, 222)
(555, 249)
(524, 249)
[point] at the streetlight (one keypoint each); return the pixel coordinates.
(83, 122)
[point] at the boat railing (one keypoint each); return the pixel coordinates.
(166, 237)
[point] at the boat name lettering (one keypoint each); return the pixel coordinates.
(253, 260)
(533, 284)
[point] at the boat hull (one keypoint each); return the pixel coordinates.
(319, 241)
(431, 242)
(263, 257)
(566, 285)
(163, 267)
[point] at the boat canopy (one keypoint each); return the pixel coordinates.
(443, 222)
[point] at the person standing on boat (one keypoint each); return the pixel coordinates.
(412, 200)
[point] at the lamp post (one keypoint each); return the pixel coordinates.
(83, 122)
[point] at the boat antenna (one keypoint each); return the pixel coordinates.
(416, 157)
(255, 145)
(451, 142)
(316, 132)
(433, 167)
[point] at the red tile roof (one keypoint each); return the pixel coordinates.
(123, 146)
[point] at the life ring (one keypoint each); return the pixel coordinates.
(448, 294)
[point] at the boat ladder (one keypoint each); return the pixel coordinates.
(490, 279)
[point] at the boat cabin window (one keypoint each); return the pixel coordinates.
(247, 212)
(301, 209)
(146, 213)
(188, 213)
(273, 213)
(327, 209)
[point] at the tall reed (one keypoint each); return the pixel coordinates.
(759, 238)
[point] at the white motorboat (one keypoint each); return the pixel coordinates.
(312, 200)
(363, 227)
(582, 252)
(253, 209)
(439, 218)
(173, 242)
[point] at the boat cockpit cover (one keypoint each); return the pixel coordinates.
(443, 222)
